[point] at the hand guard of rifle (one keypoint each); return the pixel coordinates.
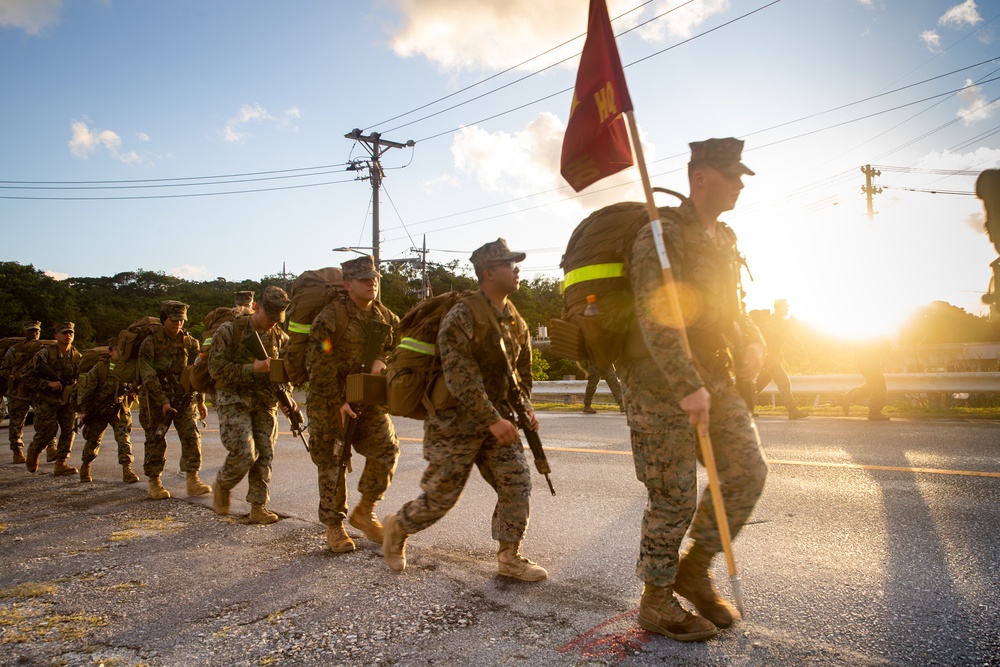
(255, 347)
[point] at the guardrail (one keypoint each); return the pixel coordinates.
(903, 383)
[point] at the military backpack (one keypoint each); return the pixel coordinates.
(129, 340)
(23, 354)
(311, 292)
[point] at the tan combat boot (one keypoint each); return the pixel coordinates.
(156, 490)
(85, 472)
(51, 453)
(337, 539)
(364, 519)
(513, 564)
(62, 469)
(694, 583)
(394, 543)
(195, 487)
(17, 456)
(128, 476)
(220, 500)
(660, 612)
(31, 460)
(259, 514)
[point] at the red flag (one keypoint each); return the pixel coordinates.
(596, 141)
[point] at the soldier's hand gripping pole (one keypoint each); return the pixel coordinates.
(255, 347)
(673, 303)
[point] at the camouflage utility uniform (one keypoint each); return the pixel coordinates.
(247, 407)
(51, 414)
(330, 357)
(161, 361)
(664, 444)
(458, 438)
(109, 403)
(17, 408)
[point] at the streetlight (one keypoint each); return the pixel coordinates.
(357, 250)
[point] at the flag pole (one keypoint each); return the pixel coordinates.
(674, 307)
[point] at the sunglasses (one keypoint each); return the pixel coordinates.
(511, 264)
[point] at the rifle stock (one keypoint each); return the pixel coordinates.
(255, 347)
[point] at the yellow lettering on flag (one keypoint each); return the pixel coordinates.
(605, 101)
(574, 105)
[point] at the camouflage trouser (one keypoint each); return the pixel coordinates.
(772, 370)
(93, 431)
(51, 418)
(248, 435)
(452, 445)
(154, 457)
(375, 439)
(18, 409)
(665, 447)
(594, 375)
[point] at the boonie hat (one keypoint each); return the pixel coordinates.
(495, 252)
(360, 268)
(274, 302)
(722, 154)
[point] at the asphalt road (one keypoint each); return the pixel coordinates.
(874, 544)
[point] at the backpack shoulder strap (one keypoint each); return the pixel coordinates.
(482, 316)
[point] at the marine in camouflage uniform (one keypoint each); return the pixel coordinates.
(332, 355)
(478, 430)
(246, 403)
(107, 402)
(17, 408)
(777, 332)
(52, 414)
(594, 375)
(665, 392)
(163, 355)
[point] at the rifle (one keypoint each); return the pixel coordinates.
(377, 333)
(43, 370)
(108, 411)
(520, 413)
(180, 397)
(255, 347)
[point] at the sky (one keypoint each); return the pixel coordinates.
(206, 139)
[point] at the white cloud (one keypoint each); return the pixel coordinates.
(31, 16)
(975, 107)
(527, 162)
(56, 275)
(442, 181)
(931, 40)
(683, 20)
(233, 131)
(142, 136)
(85, 141)
(190, 272)
(965, 14)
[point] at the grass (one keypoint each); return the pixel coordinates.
(899, 410)
(147, 528)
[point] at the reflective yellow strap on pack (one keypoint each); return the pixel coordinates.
(208, 341)
(593, 272)
(299, 328)
(419, 346)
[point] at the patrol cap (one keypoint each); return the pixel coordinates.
(32, 324)
(722, 154)
(494, 252)
(360, 268)
(274, 302)
(63, 327)
(174, 310)
(244, 298)
(112, 343)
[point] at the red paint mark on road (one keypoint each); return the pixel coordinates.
(618, 645)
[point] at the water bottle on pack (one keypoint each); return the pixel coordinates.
(591, 309)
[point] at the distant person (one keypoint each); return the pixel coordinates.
(18, 402)
(869, 355)
(777, 333)
(594, 375)
(52, 370)
(106, 401)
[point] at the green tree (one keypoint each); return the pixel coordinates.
(28, 294)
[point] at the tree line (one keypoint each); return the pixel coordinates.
(101, 307)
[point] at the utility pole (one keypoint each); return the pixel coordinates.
(425, 287)
(868, 189)
(376, 146)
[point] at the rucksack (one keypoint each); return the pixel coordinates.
(23, 353)
(414, 386)
(5, 344)
(594, 265)
(311, 292)
(88, 360)
(197, 373)
(129, 340)
(215, 319)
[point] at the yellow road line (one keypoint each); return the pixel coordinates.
(821, 464)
